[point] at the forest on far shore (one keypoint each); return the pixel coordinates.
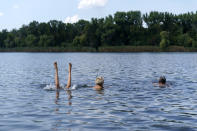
(161, 29)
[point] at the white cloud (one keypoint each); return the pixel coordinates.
(1, 14)
(91, 3)
(72, 19)
(16, 6)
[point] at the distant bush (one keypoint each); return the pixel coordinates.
(194, 44)
(185, 40)
(164, 39)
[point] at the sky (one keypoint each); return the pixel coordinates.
(15, 13)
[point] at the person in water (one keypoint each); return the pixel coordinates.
(162, 81)
(99, 83)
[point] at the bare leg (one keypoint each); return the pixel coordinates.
(69, 76)
(56, 76)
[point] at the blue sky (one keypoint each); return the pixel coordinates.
(15, 13)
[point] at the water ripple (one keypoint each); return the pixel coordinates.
(129, 101)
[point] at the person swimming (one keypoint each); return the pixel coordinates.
(99, 83)
(162, 81)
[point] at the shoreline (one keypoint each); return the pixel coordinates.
(109, 49)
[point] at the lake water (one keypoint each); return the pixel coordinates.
(128, 102)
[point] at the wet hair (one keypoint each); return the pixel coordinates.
(162, 80)
(99, 81)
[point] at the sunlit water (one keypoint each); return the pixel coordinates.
(128, 102)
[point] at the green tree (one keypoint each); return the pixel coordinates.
(122, 28)
(9, 41)
(46, 41)
(31, 40)
(194, 44)
(164, 39)
(3, 36)
(185, 40)
(80, 41)
(18, 42)
(108, 31)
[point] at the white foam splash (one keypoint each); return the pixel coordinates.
(50, 87)
(74, 87)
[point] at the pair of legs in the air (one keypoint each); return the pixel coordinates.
(57, 77)
(99, 80)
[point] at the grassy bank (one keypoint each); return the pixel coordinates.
(146, 49)
(101, 49)
(48, 49)
(130, 49)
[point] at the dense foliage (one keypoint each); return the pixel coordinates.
(164, 39)
(124, 28)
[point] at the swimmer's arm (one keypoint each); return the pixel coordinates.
(56, 76)
(69, 76)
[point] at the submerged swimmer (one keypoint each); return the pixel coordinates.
(57, 77)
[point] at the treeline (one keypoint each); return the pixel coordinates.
(123, 29)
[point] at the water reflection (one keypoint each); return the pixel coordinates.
(57, 95)
(101, 92)
(57, 99)
(69, 93)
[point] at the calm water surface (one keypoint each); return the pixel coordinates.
(129, 101)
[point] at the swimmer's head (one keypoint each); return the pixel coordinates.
(99, 81)
(162, 80)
